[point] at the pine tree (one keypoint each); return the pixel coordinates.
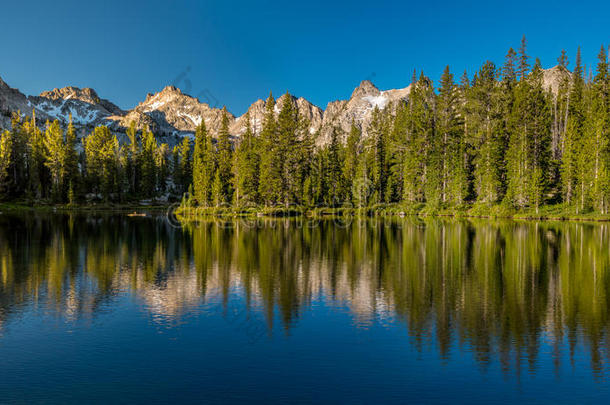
(488, 135)
(308, 192)
(102, 154)
(560, 114)
(270, 177)
(71, 172)
(433, 151)
(176, 170)
(203, 166)
(287, 152)
(573, 137)
(133, 159)
(225, 159)
(218, 190)
(562, 60)
(38, 172)
(350, 163)
(362, 186)
(394, 154)
(509, 74)
(18, 169)
(517, 156)
(149, 164)
(598, 134)
(185, 165)
(510, 89)
(465, 106)
(246, 167)
(418, 159)
(539, 153)
(71, 195)
(6, 149)
(162, 167)
(306, 152)
(536, 188)
(523, 60)
(454, 185)
(377, 155)
(333, 178)
(315, 191)
(55, 156)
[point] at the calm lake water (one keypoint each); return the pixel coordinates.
(117, 309)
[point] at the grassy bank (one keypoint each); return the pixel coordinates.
(557, 212)
(25, 206)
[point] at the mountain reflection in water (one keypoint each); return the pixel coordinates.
(502, 288)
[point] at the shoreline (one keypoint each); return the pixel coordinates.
(119, 208)
(388, 211)
(547, 213)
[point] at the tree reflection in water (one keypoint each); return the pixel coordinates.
(500, 288)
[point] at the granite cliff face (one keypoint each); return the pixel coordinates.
(86, 95)
(171, 114)
(553, 78)
(84, 106)
(11, 100)
(311, 113)
(358, 109)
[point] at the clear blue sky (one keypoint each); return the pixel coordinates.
(237, 51)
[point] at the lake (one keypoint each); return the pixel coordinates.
(106, 308)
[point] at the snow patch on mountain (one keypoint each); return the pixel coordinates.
(379, 101)
(196, 120)
(155, 106)
(171, 114)
(67, 108)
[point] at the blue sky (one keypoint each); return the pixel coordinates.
(234, 52)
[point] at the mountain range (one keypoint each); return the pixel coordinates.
(171, 114)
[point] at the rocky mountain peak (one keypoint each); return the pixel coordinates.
(553, 78)
(358, 109)
(258, 110)
(87, 94)
(84, 104)
(166, 93)
(172, 90)
(12, 100)
(281, 99)
(365, 88)
(172, 114)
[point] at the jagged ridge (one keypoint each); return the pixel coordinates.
(171, 113)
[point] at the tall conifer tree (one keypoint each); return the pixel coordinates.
(270, 177)
(203, 165)
(225, 160)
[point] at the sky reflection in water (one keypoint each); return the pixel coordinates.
(108, 307)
